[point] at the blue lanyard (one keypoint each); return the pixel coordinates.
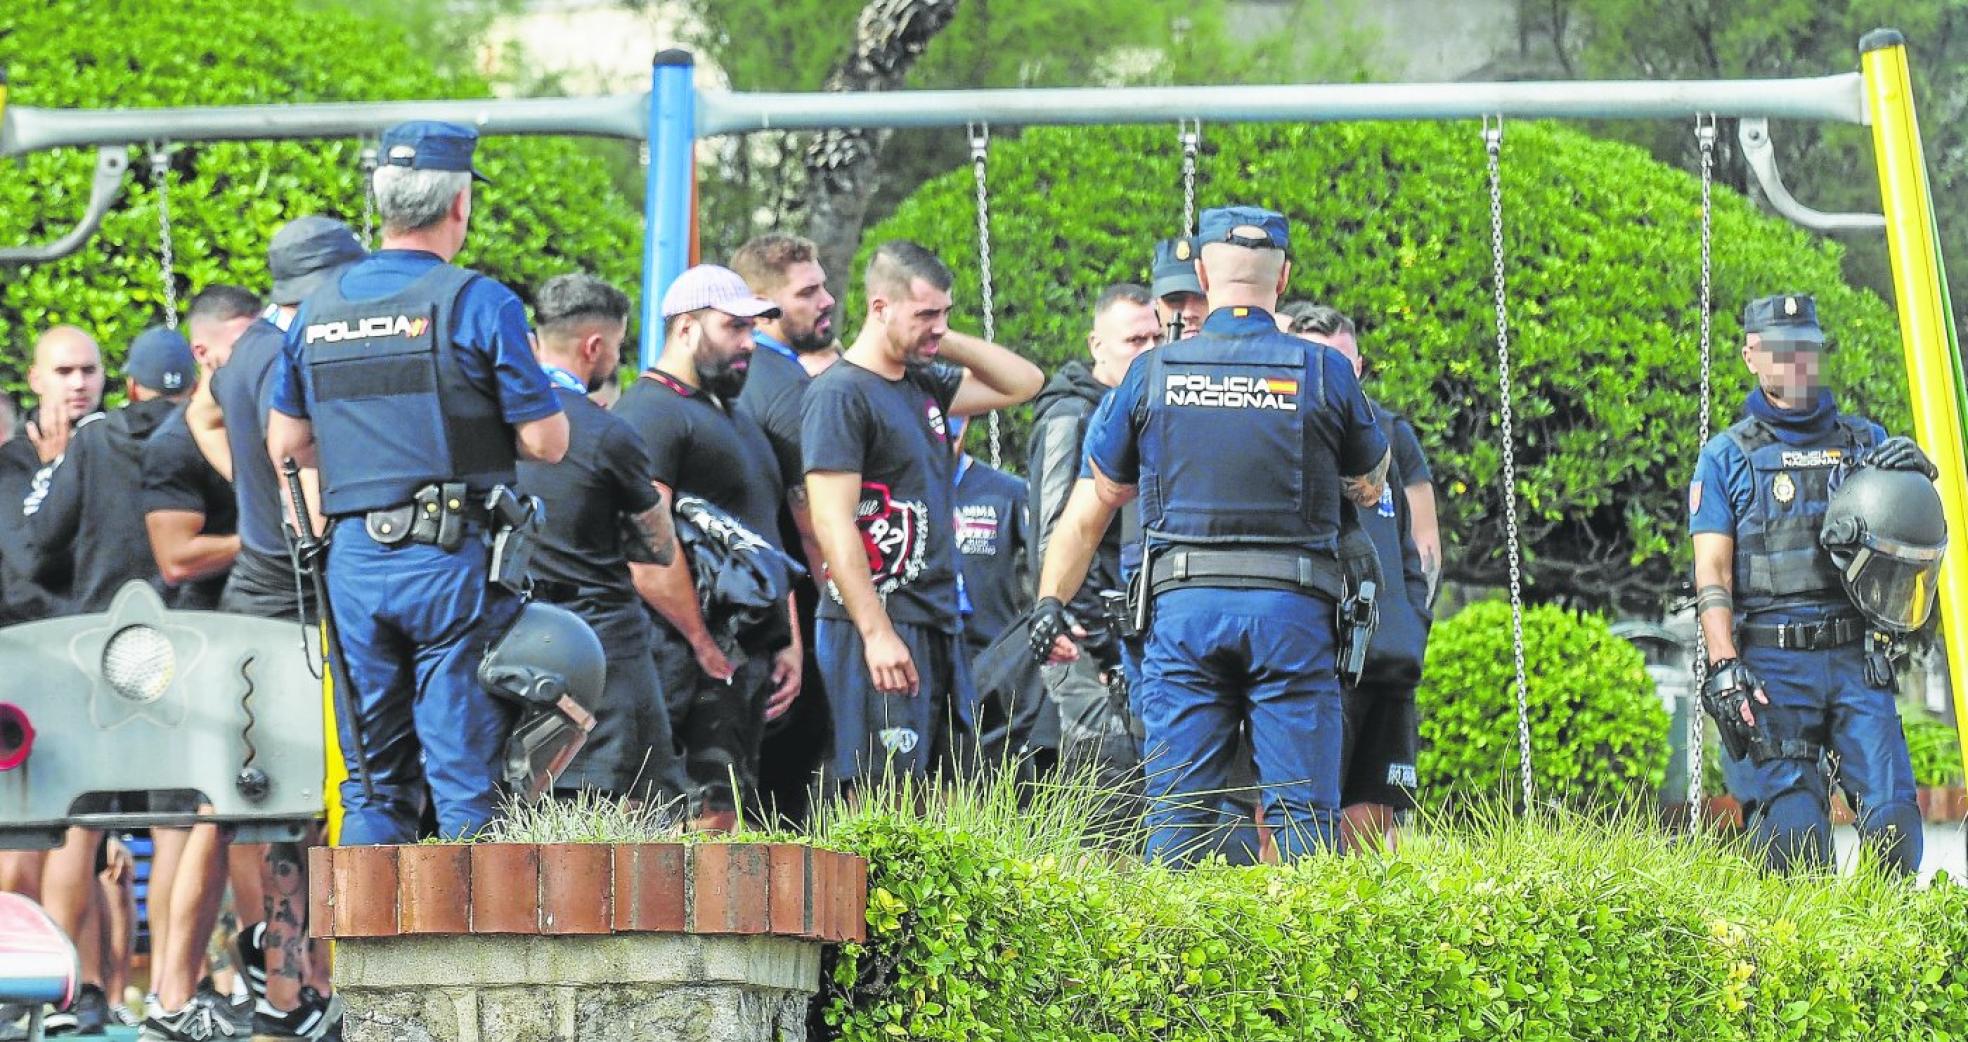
(564, 379)
(963, 464)
(771, 343)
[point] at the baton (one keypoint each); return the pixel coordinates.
(313, 550)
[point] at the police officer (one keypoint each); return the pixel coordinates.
(1179, 299)
(603, 510)
(1242, 573)
(410, 383)
(1788, 677)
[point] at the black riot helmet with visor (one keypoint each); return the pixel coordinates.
(1886, 533)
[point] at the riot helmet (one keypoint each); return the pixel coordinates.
(1886, 533)
(551, 665)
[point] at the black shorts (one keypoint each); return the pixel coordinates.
(875, 733)
(717, 726)
(1377, 761)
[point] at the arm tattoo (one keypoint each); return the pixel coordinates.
(1370, 483)
(1714, 595)
(796, 495)
(651, 538)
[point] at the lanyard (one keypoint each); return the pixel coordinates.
(564, 379)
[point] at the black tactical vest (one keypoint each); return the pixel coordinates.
(1778, 560)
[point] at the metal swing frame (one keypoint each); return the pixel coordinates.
(673, 115)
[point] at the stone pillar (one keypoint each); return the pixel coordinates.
(706, 942)
(620, 988)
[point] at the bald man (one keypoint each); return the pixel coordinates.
(67, 380)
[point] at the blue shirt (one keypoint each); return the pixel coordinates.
(488, 330)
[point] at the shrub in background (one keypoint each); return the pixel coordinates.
(1598, 732)
(550, 209)
(1390, 222)
(1936, 751)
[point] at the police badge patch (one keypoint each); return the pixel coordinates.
(1783, 488)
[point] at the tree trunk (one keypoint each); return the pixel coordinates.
(843, 166)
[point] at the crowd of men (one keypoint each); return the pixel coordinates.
(793, 567)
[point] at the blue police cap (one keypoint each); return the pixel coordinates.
(429, 144)
(1220, 224)
(1787, 316)
(1175, 267)
(160, 359)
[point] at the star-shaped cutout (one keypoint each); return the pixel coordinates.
(138, 606)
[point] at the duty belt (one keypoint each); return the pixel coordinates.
(1804, 636)
(439, 515)
(1290, 570)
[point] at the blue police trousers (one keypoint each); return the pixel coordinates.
(414, 621)
(1213, 660)
(1822, 697)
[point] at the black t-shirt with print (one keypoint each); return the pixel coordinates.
(895, 434)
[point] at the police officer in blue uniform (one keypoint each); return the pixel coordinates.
(409, 382)
(1242, 574)
(1789, 677)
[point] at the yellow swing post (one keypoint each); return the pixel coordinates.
(1933, 357)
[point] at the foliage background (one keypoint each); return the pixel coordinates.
(551, 208)
(1390, 223)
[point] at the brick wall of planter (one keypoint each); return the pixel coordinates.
(708, 942)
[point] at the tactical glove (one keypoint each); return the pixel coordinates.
(1729, 687)
(1902, 453)
(1050, 621)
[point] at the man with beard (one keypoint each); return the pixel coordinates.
(879, 470)
(792, 349)
(701, 444)
(602, 511)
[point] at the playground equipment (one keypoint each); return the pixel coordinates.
(673, 115)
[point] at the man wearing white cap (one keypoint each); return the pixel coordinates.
(701, 444)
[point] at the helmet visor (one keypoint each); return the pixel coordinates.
(1894, 584)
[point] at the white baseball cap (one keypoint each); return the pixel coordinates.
(713, 286)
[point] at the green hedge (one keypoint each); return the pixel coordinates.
(983, 929)
(552, 207)
(1598, 732)
(1391, 223)
(1936, 751)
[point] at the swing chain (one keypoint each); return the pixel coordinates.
(1705, 321)
(1190, 134)
(160, 179)
(980, 157)
(369, 158)
(1493, 146)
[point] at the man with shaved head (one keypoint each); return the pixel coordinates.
(1241, 576)
(67, 380)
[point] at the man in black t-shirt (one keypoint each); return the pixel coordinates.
(701, 444)
(603, 510)
(785, 269)
(189, 509)
(876, 443)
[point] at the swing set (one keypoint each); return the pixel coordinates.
(674, 115)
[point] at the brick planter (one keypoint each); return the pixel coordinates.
(709, 942)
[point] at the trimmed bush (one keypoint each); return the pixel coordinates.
(1390, 222)
(1541, 929)
(551, 207)
(1598, 732)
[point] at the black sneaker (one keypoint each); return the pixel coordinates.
(202, 1019)
(88, 1017)
(13, 1021)
(315, 1019)
(249, 958)
(238, 1014)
